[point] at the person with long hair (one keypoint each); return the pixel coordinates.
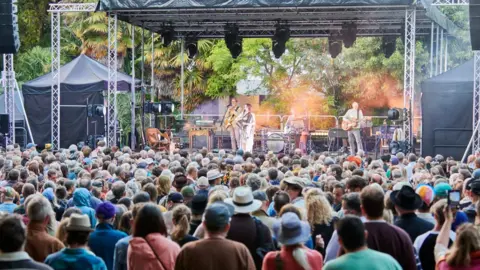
(181, 217)
(320, 216)
(465, 251)
(291, 232)
(150, 248)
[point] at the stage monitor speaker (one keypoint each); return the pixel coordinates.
(475, 24)
(9, 36)
(4, 120)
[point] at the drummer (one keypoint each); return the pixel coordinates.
(295, 126)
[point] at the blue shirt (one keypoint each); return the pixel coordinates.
(75, 259)
(102, 242)
(120, 255)
(8, 207)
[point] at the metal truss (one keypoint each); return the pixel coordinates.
(9, 83)
(409, 76)
(450, 2)
(55, 24)
(73, 7)
(476, 103)
(112, 81)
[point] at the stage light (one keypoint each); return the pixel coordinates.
(163, 107)
(168, 35)
(393, 114)
(389, 45)
(233, 40)
(334, 46)
(279, 40)
(192, 46)
(349, 34)
(96, 110)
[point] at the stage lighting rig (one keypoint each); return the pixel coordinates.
(334, 46)
(279, 40)
(349, 34)
(396, 114)
(191, 43)
(96, 110)
(233, 40)
(389, 45)
(168, 35)
(162, 107)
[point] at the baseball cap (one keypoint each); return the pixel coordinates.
(87, 161)
(202, 182)
(148, 161)
(441, 190)
(105, 210)
(476, 174)
(217, 216)
(48, 193)
(198, 203)
(475, 186)
(260, 195)
(142, 165)
(394, 160)
(9, 193)
(187, 191)
(30, 145)
(328, 161)
(296, 181)
(427, 193)
(175, 197)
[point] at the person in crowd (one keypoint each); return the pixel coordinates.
(121, 247)
(406, 201)
(261, 213)
(12, 243)
(7, 204)
(198, 205)
(81, 200)
(353, 240)
(150, 248)
(350, 206)
(102, 241)
(76, 255)
(27, 190)
(246, 229)
(383, 236)
(292, 233)
(465, 251)
(295, 186)
(320, 216)
(181, 217)
(425, 243)
(338, 192)
(215, 251)
(39, 243)
(427, 194)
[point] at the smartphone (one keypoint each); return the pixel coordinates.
(453, 198)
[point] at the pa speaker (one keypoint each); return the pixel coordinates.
(4, 121)
(475, 24)
(9, 37)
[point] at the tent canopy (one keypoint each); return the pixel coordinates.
(452, 91)
(258, 18)
(82, 74)
(18, 99)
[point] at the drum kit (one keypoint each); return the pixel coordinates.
(284, 142)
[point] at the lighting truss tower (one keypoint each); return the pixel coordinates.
(112, 80)
(409, 76)
(9, 88)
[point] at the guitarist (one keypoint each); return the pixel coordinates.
(354, 116)
(233, 110)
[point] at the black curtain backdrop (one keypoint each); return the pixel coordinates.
(73, 121)
(447, 104)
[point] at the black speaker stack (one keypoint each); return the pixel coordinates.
(475, 24)
(9, 37)
(4, 121)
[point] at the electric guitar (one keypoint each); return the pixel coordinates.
(230, 120)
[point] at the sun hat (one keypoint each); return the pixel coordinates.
(290, 230)
(243, 200)
(78, 222)
(213, 175)
(105, 210)
(426, 193)
(218, 215)
(399, 185)
(302, 182)
(441, 190)
(202, 182)
(149, 161)
(406, 198)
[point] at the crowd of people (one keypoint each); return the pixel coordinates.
(112, 208)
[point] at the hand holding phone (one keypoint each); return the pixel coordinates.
(453, 198)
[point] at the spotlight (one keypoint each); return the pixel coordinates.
(192, 46)
(163, 107)
(393, 114)
(334, 46)
(279, 40)
(349, 34)
(389, 45)
(233, 40)
(96, 110)
(168, 35)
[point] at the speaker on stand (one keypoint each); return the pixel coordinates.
(4, 130)
(9, 37)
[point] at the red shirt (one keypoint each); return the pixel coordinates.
(314, 258)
